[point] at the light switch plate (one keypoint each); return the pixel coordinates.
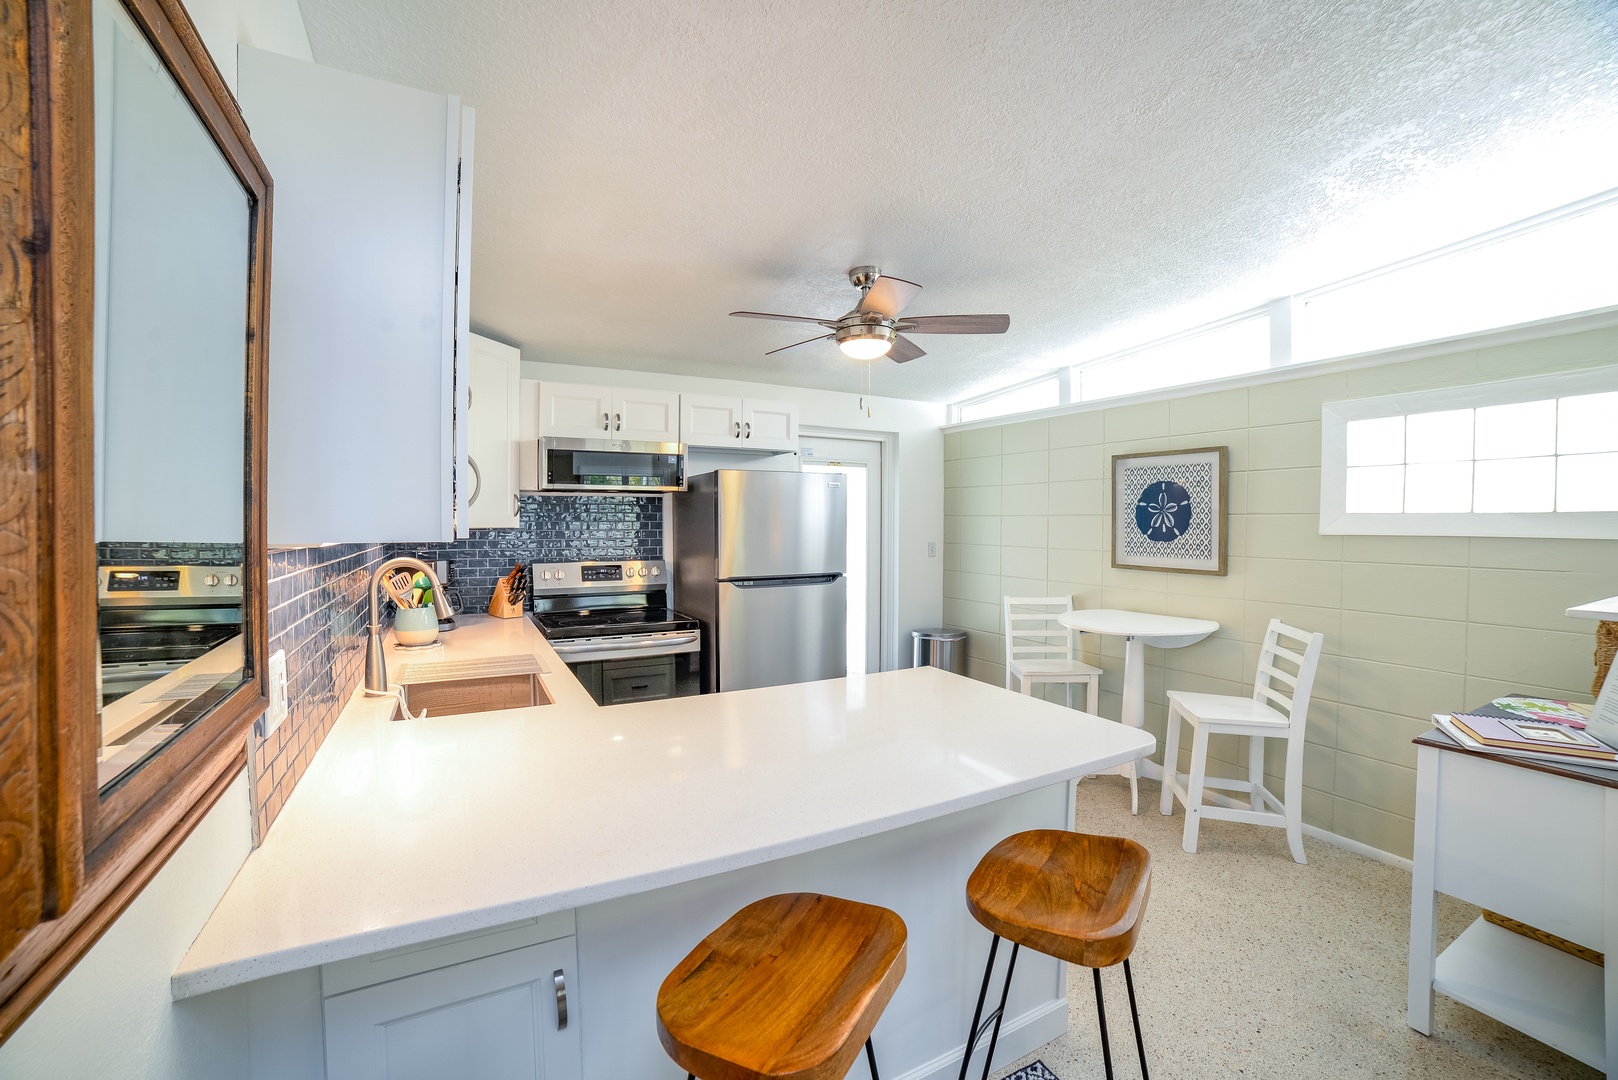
(932, 549)
(277, 711)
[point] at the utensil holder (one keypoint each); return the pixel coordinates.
(415, 626)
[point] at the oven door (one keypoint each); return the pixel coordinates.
(627, 646)
(623, 668)
(598, 465)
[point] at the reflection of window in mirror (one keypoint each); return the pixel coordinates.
(172, 252)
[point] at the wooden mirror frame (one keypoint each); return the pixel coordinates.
(70, 861)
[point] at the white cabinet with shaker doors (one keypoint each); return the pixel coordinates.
(459, 1008)
(577, 411)
(734, 423)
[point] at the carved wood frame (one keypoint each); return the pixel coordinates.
(70, 861)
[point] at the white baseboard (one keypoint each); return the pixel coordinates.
(1357, 848)
(1375, 854)
(1018, 1037)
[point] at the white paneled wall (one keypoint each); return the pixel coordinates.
(1413, 624)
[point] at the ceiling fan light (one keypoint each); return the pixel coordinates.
(865, 347)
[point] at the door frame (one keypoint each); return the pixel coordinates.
(887, 528)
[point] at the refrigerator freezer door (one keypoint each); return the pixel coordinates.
(774, 524)
(783, 631)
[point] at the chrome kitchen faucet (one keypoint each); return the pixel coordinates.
(376, 665)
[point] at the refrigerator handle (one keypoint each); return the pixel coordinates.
(781, 582)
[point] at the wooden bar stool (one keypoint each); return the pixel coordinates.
(1077, 897)
(789, 986)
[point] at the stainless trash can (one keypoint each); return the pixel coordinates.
(941, 647)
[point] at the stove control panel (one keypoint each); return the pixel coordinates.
(632, 575)
(167, 585)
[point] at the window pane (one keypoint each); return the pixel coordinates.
(1515, 486)
(1560, 268)
(1587, 482)
(1587, 424)
(1526, 429)
(1442, 488)
(1376, 442)
(1377, 489)
(1439, 436)
(1041, 395)
(1230, 350)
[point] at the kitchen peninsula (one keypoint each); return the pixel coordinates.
(634, 830)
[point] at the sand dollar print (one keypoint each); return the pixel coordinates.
(1163, 512)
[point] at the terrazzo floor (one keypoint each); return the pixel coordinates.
(1252, 966)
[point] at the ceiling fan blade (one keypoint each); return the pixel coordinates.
(889, 295)
(904, 350)
(957, 324)
(795, 344)
(783, 318)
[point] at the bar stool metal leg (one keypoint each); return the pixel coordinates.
(1134, 1013)
(870, 1058)
(1101, 1014)
(980, 1023)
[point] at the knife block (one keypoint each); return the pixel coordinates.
(502, 608)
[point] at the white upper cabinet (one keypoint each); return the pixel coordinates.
(492, 418)
(769, 425)
(368, 306)
(575, 411)
(735, 423)
(646, 415)
(572, 411)
(710, 420)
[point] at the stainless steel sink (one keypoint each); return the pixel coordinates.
(457, 687)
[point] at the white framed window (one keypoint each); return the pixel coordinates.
(1550, 265)
(1521, 457)
(1234, 347)
(1043, 393)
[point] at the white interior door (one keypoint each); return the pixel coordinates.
(861, 462)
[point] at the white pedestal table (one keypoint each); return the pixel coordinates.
(1138, 629)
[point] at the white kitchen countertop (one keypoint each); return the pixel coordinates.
(406, 831)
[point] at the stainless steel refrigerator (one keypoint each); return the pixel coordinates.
(759, 559)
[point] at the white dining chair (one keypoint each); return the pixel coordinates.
(1040, 650)
(1277, 709)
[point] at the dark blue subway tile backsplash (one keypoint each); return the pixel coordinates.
(554, 528)
(318, 610)
(167, 554)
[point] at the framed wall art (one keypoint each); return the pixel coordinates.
(1170, 510)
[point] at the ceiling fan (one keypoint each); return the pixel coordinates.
(875, 328)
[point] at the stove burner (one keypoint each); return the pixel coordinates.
(594, 622)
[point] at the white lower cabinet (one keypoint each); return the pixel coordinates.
(510, 1015)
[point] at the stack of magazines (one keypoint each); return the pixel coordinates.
(1543, 729)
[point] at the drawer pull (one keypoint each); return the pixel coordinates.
(561, 999)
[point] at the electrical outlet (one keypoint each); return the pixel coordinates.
(932, 549)
(277, 710)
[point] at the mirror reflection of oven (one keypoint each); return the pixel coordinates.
(153, 620)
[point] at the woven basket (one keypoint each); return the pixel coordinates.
(1606, 647)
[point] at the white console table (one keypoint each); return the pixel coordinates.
(1537, 843)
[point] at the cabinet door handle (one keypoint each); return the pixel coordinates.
(606, 421)
(738, 429)
(477, 481)
(618, 421)
(516, 505)
(561, 999)
(749, 434)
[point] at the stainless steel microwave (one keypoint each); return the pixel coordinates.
(608, 465)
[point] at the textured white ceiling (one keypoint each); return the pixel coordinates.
(1103, 172)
